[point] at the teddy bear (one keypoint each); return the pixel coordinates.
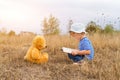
(34, 53)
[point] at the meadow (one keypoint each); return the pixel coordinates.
(104, 66)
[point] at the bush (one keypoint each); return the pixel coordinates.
(11, 33)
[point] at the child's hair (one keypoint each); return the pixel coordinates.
(72, 33)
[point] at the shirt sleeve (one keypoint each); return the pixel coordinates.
(86, 45)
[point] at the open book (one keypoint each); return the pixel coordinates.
(67, 50)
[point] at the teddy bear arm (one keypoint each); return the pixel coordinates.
(35, 54)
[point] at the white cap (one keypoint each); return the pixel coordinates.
(77, 27)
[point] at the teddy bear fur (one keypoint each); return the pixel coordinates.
(34, 53)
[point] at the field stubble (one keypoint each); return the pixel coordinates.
(105, 66)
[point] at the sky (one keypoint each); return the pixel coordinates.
(27, 15)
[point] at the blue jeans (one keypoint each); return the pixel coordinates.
(76, 58)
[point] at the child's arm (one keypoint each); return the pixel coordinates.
(82, 52)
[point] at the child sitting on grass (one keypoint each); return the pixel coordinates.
(85, 48)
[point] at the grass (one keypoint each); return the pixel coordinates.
(105, 66)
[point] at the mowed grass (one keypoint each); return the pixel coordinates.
(105, 66)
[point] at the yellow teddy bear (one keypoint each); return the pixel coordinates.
(34, 53)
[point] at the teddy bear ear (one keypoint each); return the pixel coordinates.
(38, 38)
(35, 40)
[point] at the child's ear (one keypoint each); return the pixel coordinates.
(71, 33)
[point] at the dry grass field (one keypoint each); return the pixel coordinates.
(105, 66)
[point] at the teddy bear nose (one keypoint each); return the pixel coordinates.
(45, 46)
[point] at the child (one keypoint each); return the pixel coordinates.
(85, 48)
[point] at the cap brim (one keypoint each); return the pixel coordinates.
(78, 31)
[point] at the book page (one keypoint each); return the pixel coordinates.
(67, 50)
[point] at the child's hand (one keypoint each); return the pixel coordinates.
(75, 52)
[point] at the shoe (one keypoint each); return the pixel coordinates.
(78, 63)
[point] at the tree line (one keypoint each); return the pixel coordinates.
(51, 26)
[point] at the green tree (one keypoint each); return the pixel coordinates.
(93, 28)
(109, 28)
(51, 25)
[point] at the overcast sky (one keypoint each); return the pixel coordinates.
(27, 15)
